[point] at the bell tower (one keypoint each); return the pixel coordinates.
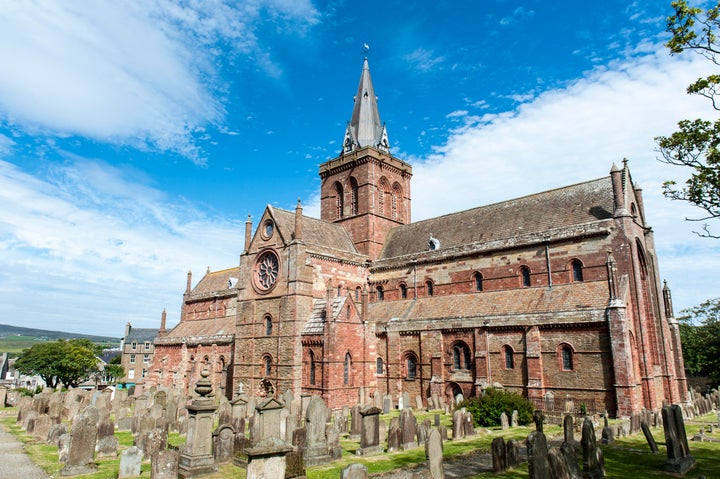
(366, 188)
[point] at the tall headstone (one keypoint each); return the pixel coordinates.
(81, 453)
(593, 463)
(458, 420)
(164, 465)
(514, 418)
(512, 453)
(499, 455)
(223, 444)
(315, 420)
(504, 423)
(387, 404)
(408, 429)
(537, 452)
(197, 458)
(679, 460)
(649, 437)
(435, 455)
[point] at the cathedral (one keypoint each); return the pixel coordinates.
(552, 295)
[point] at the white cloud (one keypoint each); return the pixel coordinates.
(122, 248)
(137, 72)
(575, 134)
(423, 60)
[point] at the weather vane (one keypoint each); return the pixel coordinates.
(366, 49)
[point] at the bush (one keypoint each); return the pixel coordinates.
(486, 410)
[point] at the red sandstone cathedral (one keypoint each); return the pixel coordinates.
(553, 295)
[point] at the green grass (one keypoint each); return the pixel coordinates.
(628, 457)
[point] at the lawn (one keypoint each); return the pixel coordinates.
(628, 457)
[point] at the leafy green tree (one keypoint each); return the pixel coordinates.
(59, 362)
(114, 369)
(700, 335)
(696, 143)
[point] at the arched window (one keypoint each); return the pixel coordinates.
(339, 291)
(478, 280)
(410, 366)
(312, 367)
(461, 356)
(268, 325)
(380, 293)
(383, 188)
(339, 200)
(353, 196)
(397, 200)
(379, 366)
(267, 363)
(509, 357)
(566, 354)
(346, 369)
(357, 293)
(403, 291)
(347, 312)
(577, 270)
(429, 288)
(393, 205)
(525, 276)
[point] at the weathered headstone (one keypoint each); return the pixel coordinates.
(223, 444)
(369, 431)
(408, 429)
(354, 471)
(394, 435)
(56, 430)
(514, 418)
(504, 424)
(568, 429)
(571, 461)
(406, 401)
(558, 464)
(435, 455)
(130, 461)
(679, 460)
(649, 437)
(458, 431)
(537, 452)
(317, 445)
(593, 463)
(196, 457)
(538, 419)
(164, 465)
(499, 455)
(81, 454)
(468, 424)
(512, 453)
(387, 404)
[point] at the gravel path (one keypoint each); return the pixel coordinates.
(14, 463)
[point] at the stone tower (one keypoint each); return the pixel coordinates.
(366, 189)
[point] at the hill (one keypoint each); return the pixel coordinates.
(13, 339)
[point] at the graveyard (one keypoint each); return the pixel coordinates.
(90, 434)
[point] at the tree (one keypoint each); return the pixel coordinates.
(114, 369)
(59, 362)
(696, 143)
(700, 336)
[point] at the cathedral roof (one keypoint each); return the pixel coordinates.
(540, 213)
(365, 127)
(316, 232)
(316, 322)
(527, 306)
(217, 281)
(202, 330)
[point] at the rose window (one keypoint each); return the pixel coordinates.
(267, 270)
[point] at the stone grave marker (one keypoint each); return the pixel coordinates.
(593, 463)
(435, 455)
(649, 437)
(408, 429)
(354, 471)
(504, 423)
(130, 462)
(514, 418)
(512, 453)
(164, 465)
(537, 452)
(223, 444)
(369, 431)
(679, 460)
(81, 453)
(499, 455)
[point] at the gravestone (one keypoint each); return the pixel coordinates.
(568, 429)
(356, 421)
(354, 471)
(538, 419)
(514, 417)
(294, 462)
(223, 444)
(130, 461)
(558, 464)
(468, 424)
(164, 465)
(512, 453)
(418, 403)
(568, 451)
(81, 453)
(55, 432)
(679, 460)
(537, 452)
(196, 457)
(107, 443)
(435, 455)
(504, 423)
(406, 401)
(317, 445)
(458, 431)
(394, 435)
(593, 463)
(63, 447)
(499, 455)
(408, 429)
(369, 431)
(387, 404)
(649, 437)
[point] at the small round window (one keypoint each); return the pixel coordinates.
(268, 229)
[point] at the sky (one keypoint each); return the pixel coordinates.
(136, 137)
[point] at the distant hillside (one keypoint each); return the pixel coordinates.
(7, 331)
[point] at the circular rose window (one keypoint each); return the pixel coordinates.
(266, 270)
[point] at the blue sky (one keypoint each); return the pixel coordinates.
(136, 136)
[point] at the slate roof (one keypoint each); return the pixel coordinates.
(141, 335)
(315, 231)
(216, 281)
(200, 327)
(565, 207)
(316, 322)
(507, 305)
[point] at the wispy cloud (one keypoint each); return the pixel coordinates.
(573, 134)
(119, 243)
(423, 60)
(141, 73)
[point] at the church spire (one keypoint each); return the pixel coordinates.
(365, 128)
